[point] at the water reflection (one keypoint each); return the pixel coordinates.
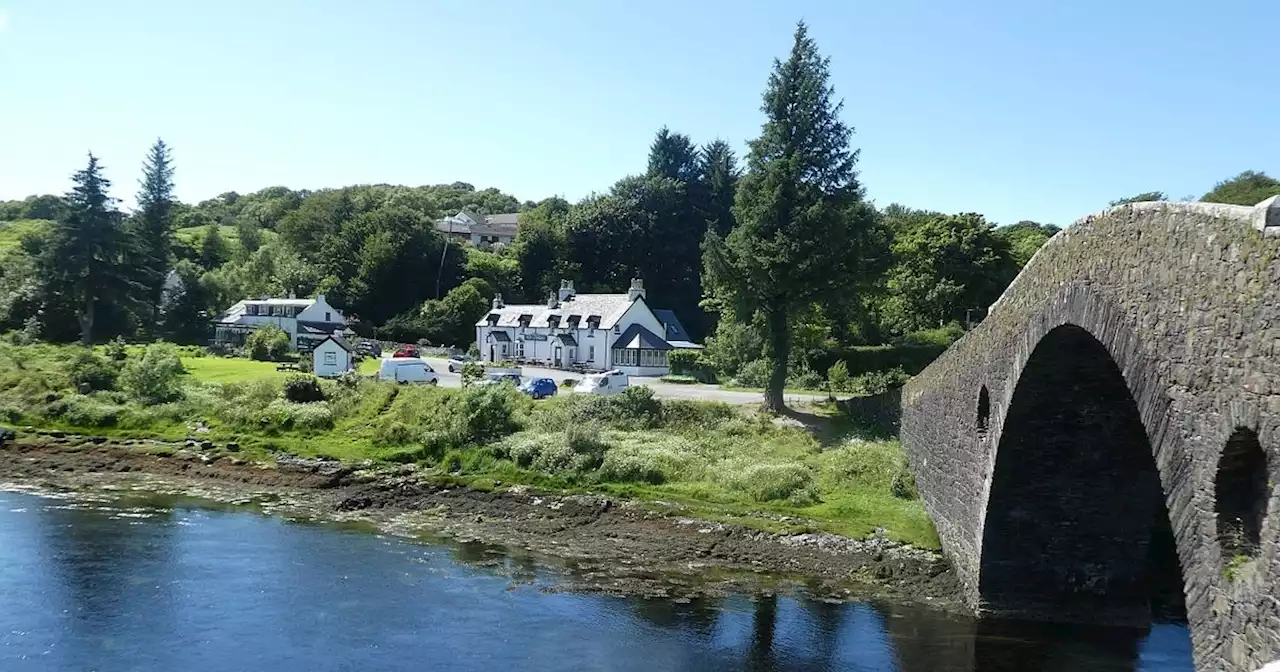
(179, 587)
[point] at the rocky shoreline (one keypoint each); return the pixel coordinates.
(605, 545)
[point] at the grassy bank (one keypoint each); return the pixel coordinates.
(715, 460)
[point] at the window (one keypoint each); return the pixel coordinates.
(617, 329)
(591, 353)
(331, 359)
(519, 348)
(327, 317)
(250, 309)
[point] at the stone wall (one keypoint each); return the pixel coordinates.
(1185, 298)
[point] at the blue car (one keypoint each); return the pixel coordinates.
(539, 388)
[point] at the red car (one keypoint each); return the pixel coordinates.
(407, 351)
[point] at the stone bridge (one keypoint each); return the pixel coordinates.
(1107, 439)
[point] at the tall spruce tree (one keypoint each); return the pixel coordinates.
(719, 172)
(799, 209)
(673, 155)
(84, 261)
(154, 224)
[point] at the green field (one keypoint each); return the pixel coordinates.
(713, 460)
(230, 369)
(11, 233)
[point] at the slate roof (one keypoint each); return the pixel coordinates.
(675, 330)
(568, 339)
(238, 310)
(637, 337)
(342, 342)
(609, 308)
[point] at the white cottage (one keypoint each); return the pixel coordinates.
(331, 357)
(592, 331)
(307, 321)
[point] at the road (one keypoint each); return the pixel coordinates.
(660, 389)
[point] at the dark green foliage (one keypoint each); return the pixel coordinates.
(268, 343)
(184, 309)
(799, 209)
(303, 389)
(1024, 239)
(214, 250)
(154, 225)
(943, 266)
(85, 262)
(720, 175)
(904, 484)
(89, 372)
(1247, 188)
(1140, 198)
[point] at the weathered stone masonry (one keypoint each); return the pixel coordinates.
(1116, 368)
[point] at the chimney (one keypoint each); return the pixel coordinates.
(637, 289)
(566, 290)
(497, 302)
(552, 300)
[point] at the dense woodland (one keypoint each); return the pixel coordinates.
(779, 260)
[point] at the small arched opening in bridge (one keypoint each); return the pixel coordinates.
(984, 412)
(1076, 526)
(1241, 493)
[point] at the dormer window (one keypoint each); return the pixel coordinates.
(493, 319)
(553, 321)
(572, 322)
(525, 320)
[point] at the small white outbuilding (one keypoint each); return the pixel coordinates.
(331, 357)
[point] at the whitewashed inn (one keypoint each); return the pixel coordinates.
(592, 331)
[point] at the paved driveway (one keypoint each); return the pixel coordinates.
(660, 389)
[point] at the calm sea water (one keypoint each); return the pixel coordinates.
(146, 583)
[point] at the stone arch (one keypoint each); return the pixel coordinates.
(1075, 500)
(1241, 493)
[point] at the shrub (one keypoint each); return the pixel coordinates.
(904, 484)
(117, 350)
(88, 372)
(941, 337)
(805, 378)
(755, 373)
(472, 372)
(268, 343)
(489, 412)
(637, 404)
(838, 377)
(153, 378)
(879, 382)
(679, 380)
(684, 362)
(303, 389)
(685, 414)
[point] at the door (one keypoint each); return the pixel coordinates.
(559, 357)
(491, 357)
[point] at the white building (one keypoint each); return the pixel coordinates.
(480, 230)
(307, 321)
(331, 357)
(594, 331)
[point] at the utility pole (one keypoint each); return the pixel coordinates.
(440, 272)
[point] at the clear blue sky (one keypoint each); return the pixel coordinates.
(1018, 110)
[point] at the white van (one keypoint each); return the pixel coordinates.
(607, 383)
(407, 370)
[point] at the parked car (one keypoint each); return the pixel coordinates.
(407, 351)
(539, 388)
(456, 362)
(369, 348)
(607, 383)
(407, 370)
(499, 378)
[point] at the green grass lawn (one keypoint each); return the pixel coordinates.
(230, 369)
(11, 233)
